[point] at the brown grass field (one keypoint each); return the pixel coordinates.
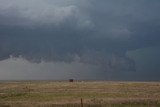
(67, 94)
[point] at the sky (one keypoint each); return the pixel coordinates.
(80, 39)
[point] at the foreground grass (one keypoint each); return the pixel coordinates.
(65, 94)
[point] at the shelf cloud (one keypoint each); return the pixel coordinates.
(89, 33)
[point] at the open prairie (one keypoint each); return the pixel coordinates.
(70, 94)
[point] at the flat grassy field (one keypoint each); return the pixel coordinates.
(67, 94)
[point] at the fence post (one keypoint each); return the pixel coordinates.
(81, 102)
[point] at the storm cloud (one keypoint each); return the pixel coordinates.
(72, 32)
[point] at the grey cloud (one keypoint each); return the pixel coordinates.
(29, 13)
(98, 33)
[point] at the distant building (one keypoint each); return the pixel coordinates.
(71, 80)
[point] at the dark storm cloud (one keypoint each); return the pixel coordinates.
(90, 31)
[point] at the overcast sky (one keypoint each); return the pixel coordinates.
(80, 39)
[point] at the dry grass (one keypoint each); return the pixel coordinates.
(65, 94)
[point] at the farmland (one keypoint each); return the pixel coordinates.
(69, 94)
